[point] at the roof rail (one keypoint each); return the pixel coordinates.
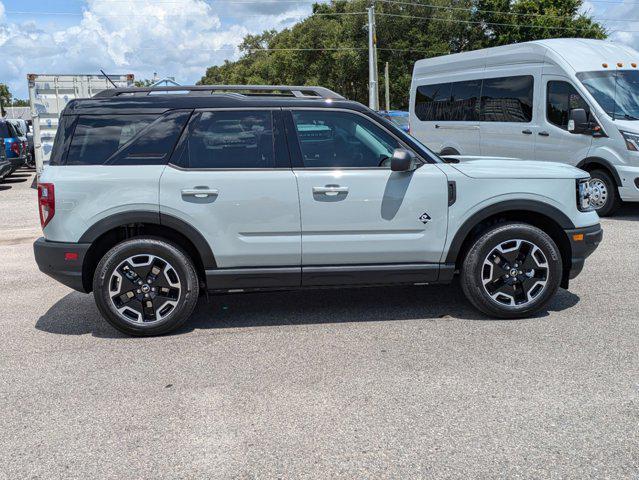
(260, 90)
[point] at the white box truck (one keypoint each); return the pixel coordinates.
(49, 94)
(565, 100)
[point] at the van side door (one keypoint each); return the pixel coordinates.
(230, 178)
(445, 116)
(508, 121)
(554, 142)
(361, 222)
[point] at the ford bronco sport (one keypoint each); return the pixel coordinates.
(150, 199)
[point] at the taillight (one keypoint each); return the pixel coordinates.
(46, 202)
(15, 148)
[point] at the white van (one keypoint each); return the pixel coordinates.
(528, 101)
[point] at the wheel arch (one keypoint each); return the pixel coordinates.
(449, 151)
(592, 163)
(546, 217)
(111, 230)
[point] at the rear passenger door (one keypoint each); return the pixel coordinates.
(230, 178)
(362, 222)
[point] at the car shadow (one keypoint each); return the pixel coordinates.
(628, 211)
(76, 314)
(12, 179)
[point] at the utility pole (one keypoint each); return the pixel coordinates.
(373, 94)
(387, 86)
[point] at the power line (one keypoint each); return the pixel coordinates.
(472, 9)
(499, 24)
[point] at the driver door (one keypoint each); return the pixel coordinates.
(554, 143)
(362, 222)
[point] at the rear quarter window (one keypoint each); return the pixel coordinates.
(97, 137)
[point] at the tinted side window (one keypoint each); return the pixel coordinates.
(432, 102)
(561, 97)
(4, 129)
(507, 99)
(154, 145)
(230, 139)
(341, 139)
(465, 100)
(97, 137)
(66, 124)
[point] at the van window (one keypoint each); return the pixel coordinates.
(507, 99)
(465, 100)
(432, 102)
(230, 139)
(330, 139)
(97, 137)
(561, 97)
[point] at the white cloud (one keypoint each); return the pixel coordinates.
(178, 38)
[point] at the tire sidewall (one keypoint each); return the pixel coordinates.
(180, 262)
(473, 266)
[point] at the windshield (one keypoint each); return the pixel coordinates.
(617, 92)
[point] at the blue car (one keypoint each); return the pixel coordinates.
(15, 144)
(398, 117)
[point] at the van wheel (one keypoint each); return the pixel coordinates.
(511, 271)
(145, 287)
(604, 194)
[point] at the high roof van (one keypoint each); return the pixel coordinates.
(564, 100)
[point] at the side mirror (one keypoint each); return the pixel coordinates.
(578, 121)
(402, 161)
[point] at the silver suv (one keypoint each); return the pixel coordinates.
(151, 199)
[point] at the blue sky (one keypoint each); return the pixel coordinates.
(177, 38)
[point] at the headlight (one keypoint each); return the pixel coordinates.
(583, 195)
(632, 140)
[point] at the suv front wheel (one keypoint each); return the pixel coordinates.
(145, 286)
(511, 270)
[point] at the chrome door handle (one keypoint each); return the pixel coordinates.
(330, 190)
(200, 192)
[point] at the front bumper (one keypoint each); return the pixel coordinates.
(58, 260)
(583, 241)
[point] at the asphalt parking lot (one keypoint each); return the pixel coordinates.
(402, 382)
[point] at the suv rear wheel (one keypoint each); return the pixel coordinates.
(145, 286)
(511, 270)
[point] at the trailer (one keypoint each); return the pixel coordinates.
(49, 94)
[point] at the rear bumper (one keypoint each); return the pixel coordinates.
(582, 248)
(53, 260)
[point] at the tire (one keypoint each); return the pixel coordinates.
(173, 290)
(533, 287)
(603, 184)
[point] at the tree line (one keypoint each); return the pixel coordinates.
(329, 48)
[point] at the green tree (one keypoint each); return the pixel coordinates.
(5, 98)
(329, 48)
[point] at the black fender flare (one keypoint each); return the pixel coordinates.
(532, 206)
(154, 218)
(604, 163)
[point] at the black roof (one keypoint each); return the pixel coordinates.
(161, 99)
